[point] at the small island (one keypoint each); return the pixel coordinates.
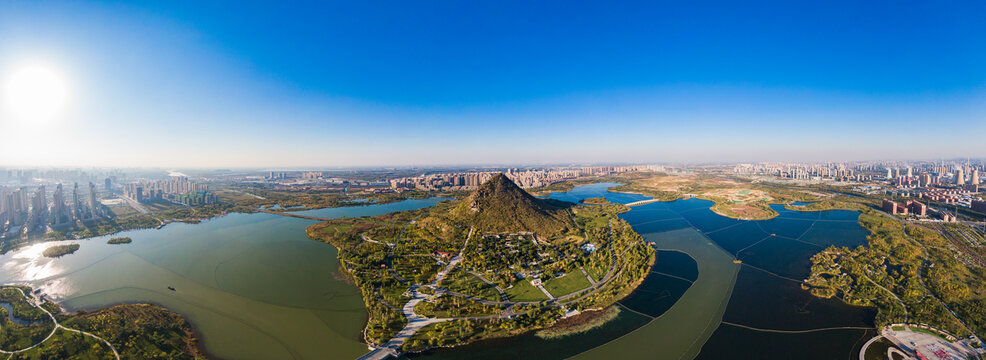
(60, 250)
(595, 201)
(120, 240)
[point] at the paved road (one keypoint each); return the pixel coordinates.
(928, 344)
(414, 321)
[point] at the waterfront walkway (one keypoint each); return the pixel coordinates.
(54, 329)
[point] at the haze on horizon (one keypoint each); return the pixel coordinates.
(167, 84)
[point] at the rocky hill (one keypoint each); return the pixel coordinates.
(500, 206)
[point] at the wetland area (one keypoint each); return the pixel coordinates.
(255, 287)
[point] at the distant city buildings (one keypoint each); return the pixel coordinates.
(177, 189)
(822, 171)
(525, 179)
(941, 182)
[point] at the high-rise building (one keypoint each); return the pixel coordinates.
(924, 180)
(909, 172)
(917, 208)
(76, 202)
(39, 209)
(893, 207)
(58, 214)
(93, 203)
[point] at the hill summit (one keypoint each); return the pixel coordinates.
(500, 206)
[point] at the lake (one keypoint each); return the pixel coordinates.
(721, 288)
(253, 285)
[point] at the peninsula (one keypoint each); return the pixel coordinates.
(499, 262)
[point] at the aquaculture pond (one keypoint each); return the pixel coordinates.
(721, 288)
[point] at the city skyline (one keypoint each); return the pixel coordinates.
(167, 85)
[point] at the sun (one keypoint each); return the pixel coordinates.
(34, 93)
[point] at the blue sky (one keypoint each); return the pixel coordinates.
(350, 83)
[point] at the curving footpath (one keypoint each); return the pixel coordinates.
(862, 350)
(53, 330)
(415, 322)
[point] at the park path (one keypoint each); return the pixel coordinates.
(367, 239)
(591, 281)
(902, 305)
(862, 350)
(540, 286)
(414, 321)
(54, 330)
(503, 294)
(925, 263)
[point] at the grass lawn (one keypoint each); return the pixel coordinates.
(233, 196)
(122, 210)
(898, 328)
(161, 206)
(466, 283)
(524, 291)
(571, 282)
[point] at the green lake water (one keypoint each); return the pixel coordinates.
(748, 274)
(253, 285)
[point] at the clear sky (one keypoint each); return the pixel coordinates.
(182, 84)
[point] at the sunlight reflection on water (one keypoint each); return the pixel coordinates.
(28, 264)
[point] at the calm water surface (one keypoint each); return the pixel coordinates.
(715, 278)
(253, 285)
(256, 287)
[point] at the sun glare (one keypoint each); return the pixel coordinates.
(34, 93)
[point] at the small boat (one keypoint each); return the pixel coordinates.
(172, 288)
